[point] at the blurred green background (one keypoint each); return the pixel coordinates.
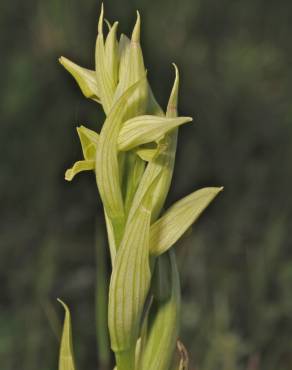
(235, 60)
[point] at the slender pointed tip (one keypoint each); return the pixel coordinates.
(175, 68)
(173, 99)
(100, 21)
(176, 81)
(115, 26)
(62, 303)
(66, 308)
(109, 26)
(137, 29)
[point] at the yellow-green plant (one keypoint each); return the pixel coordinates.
(133, 159)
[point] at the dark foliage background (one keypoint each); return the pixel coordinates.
(235, 61)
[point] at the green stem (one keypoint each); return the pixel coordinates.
(126, 359)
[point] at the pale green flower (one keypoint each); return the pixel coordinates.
(133, 159)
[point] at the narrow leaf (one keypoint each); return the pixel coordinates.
(66, 356)
(85, 78)
(178, 218)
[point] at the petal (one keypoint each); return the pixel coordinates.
(145, 129)
(89, 140)
(79, 166)
(85, 78)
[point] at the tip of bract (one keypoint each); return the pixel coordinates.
(137, 29)
(172, 103)
(63, 304)
(100, 21)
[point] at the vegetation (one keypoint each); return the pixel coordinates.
(133, 160)
(234, 60)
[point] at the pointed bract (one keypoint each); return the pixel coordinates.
(66, 356)
(178, 218)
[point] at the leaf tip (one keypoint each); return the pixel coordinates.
(173, 99)
(137, 29)
(100, 21)
(63, 304)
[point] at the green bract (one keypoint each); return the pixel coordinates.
(133, 159)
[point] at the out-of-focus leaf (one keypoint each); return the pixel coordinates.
(144, 129)
(101, 297)
(164, 327)
(66, 357)
(184, 358)
(181, 358)
(85, 78)
(141, 342)
(178, 218)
